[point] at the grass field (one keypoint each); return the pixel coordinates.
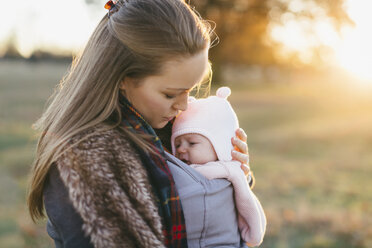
(310, 148)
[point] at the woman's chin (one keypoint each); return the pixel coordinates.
(159, 125)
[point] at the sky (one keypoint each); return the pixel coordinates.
(55, 25)
(65, 26)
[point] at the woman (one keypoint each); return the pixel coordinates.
(100, 169)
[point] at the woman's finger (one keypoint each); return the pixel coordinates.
(246, 169)
(241, 157)
(240, 145)
(241, 134)
(241, 150)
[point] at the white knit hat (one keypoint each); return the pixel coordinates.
(212, 117)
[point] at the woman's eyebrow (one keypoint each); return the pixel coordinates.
(181, 89)
(178, 89)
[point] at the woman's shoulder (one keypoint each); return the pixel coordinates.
(102, 137)
(98, 143)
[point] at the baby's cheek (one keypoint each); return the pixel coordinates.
(200, 157)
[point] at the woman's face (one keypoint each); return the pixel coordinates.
(161, 97)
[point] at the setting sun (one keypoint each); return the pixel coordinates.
(351, 49)
(355, 51)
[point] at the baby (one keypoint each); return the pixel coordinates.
(201, 137)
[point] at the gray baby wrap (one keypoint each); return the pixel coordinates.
(208, 206)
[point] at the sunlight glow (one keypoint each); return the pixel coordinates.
(61, 26)
(355, 52)
(64, 26)
(352, 50)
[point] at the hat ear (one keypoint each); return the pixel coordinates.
(223, 92)
(191, 99)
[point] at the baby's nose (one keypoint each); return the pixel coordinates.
(181, 149)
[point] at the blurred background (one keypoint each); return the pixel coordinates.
(301, 77)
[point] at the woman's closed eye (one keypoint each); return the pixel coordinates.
(168, 96)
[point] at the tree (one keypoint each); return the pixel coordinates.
(242, 26)
(10, 49)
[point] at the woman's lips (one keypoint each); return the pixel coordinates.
(168, 118)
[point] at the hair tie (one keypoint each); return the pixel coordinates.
(112, 7)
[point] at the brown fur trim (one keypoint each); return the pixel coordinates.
(110, 189)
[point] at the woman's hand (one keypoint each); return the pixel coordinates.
(240, 152)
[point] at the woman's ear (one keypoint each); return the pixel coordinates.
(124, 83)
(128, 82)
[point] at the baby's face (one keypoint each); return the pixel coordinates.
(194, 149)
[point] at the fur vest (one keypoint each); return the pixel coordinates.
(110, 189)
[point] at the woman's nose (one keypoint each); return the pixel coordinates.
(181, 104)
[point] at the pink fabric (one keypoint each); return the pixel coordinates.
(251, 217)
(203, 112)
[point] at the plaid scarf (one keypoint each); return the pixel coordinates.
(170, 209)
